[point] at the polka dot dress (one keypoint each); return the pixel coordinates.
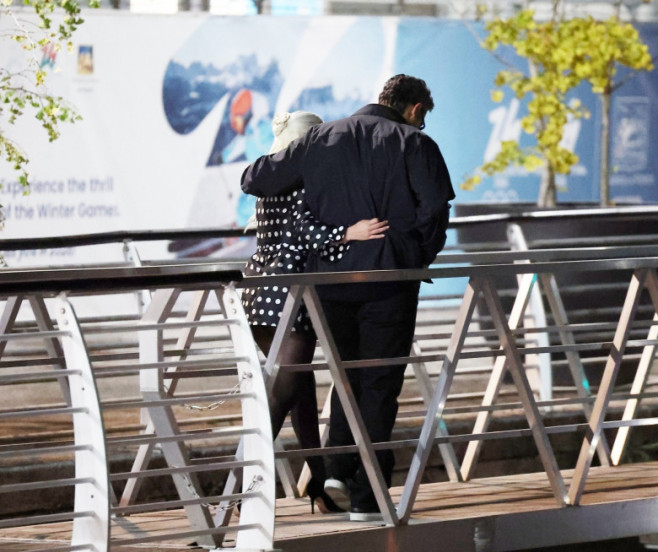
(285, 234)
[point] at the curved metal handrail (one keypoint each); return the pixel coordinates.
(115, 277)
(90, 516)
(493, 263)
(99, 238)
(122, 277)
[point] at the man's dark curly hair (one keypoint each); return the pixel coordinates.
(401, 91)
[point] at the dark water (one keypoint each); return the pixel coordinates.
(619, 545)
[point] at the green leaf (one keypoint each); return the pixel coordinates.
(561, 54)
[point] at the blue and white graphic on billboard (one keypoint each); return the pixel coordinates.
(239, 76)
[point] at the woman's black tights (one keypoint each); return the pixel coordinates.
(294, 393)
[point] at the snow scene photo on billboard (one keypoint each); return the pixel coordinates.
(237, 77)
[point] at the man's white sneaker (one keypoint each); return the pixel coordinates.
(365, 515)
(338, 492)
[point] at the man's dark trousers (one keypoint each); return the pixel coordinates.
(379, 328)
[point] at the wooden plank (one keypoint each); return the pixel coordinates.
(459, 505)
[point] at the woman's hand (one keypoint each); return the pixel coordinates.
(366, 229)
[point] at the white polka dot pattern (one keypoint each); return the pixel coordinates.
(285, 233)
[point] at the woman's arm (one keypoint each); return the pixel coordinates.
(274, 174)
(331, 240)
(313, 234)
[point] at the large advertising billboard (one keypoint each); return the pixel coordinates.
(174, 107)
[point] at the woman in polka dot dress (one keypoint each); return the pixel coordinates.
(285, 233)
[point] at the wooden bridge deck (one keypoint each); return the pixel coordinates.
(484, 515)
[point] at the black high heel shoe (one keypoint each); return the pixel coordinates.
(315, 491)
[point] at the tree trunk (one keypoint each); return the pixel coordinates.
(547, 190)
(604, 178)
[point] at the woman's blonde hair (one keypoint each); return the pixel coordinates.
(290, 126)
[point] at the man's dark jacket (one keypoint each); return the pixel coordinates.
(371, 164)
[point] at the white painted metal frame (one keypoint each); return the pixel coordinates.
(151, 383)
(544, 385)
(256, 457)
(641, 278)
(185, 338)
(145, 452)
(91, 525)
(641, 374)
(529, 294)
(257, 516)
(44, 324)
(433, 419)
(437, 404)
(91, 510)
(431, 431)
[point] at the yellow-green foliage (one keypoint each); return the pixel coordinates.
(26, 89)
(561, 55)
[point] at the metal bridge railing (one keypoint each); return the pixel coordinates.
(68, 422)
(184, 362)
(539, 269)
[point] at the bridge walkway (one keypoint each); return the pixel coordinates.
(601, 491)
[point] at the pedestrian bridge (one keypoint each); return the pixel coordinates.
(147, 428)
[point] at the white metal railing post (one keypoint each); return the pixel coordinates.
(483, 417)
(446, 450)
(594, 429)
(131, 255)
(8, 317)
(526, 396)
(536, 307)
(43, 322)
(270, 372)
(152, 387)
(91, 526)
(437, 402)
(548, 284)
(576, 368)
(641, 375)
(256, 514)
(145, 451)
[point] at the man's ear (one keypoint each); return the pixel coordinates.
(417, 111)
(414, 113)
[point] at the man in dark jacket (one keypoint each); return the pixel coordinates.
(374, 164)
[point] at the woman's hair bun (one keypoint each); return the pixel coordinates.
(280, 122)
(286, 127)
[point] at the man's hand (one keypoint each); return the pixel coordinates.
(366, 229)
